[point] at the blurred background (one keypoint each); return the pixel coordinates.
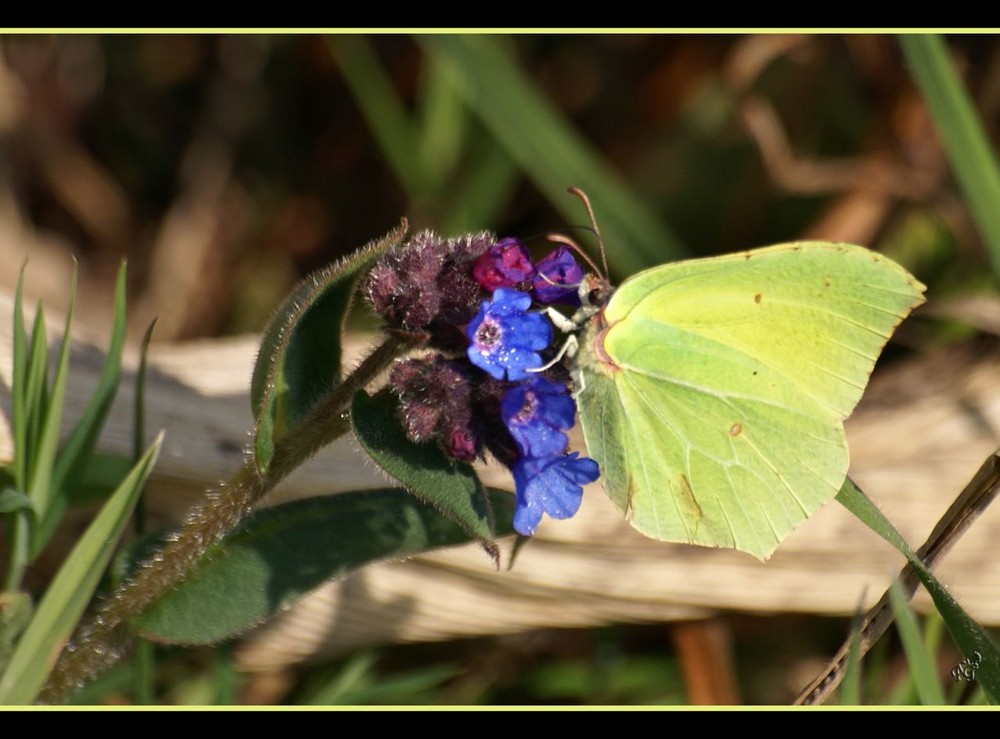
(226, 167)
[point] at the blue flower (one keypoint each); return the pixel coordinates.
(551, 485)
(505, 264)
(536, 413)
(506, 338)
(558, 278)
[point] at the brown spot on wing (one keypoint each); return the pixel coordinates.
(688, 500)
(736, 429)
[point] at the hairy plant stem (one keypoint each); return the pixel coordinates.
(102, 639)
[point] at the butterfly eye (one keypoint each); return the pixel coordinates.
(598, 292)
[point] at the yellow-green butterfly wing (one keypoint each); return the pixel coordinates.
(714, 390)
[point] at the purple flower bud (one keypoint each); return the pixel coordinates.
(505, 338)
(460, 443)
(551, 485)
(435, 398)
(558, 279)
(426, 286)
(505, 264)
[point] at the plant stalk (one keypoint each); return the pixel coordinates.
(102, 639)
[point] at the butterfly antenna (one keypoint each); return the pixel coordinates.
(597, 232)
(558, 238)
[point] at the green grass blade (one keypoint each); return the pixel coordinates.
(19, 387)
(487, 184)
(82, 440)
(15, 614)
(443, 122)
(922, 669)
(71, 590)
(384, 111)
(356, 674)
(549, 150)
(970, 637)
(42, 485)
(36, 393)
(76, 453)
(850, 689)
(145, 652)
(20, 530)
(139, 421)
(41, 488)
(969, 151)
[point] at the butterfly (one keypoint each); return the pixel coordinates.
(712, 392)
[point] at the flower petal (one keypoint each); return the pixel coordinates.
(505, 338)
(551, 485)
(505, 264)
(558, 278)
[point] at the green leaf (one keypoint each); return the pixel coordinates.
(281, 553)
(970, 637)
(71, 590)
(972, 156)
(548, 148)
(75, 455)
(424, 469)
(299, 358)
(923, 671)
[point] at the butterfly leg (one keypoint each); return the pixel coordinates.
(561, 322)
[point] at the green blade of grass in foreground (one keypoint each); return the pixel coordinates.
(970, 637)
(920, 661)
(77, 452)
(71, 590)
(850, 689)
(965, 142)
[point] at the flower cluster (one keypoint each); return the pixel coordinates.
(485, 388)
(505, 340)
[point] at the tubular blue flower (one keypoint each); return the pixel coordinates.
(558, 278)
(506, 338)
(536, 413)
(505, 264)
(551, 485)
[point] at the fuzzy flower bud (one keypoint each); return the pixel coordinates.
(435, 398)
(426, 286)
